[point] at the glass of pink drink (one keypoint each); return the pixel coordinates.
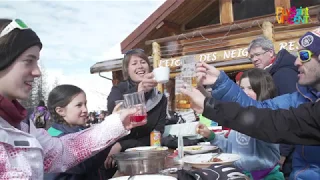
(136, 100)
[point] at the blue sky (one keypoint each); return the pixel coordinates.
(77, 34)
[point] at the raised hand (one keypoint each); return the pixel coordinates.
(148, 82)
(196, 97)
(206, 74)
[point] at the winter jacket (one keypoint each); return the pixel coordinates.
(284, 73)
(91, 168)
(29, 152)
(306, 162)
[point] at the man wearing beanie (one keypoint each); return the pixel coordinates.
(306, 161)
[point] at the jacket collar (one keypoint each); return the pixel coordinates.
(308, 92)
(155, 97)
(67, 129)
(271, 63)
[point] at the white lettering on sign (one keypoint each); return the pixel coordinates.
(211, 57)
(233, 53)
(290, 46)
(224, 55)
(177, 62)
(245, 52)
(283, 45)
(203, 58)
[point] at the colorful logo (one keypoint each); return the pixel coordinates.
(293, 15)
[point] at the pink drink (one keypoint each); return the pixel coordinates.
(138, 117)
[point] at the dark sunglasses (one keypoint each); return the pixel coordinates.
(305, 55)
(133, 50)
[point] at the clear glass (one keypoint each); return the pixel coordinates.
(188, 70)
(136, 100)
(182, 102)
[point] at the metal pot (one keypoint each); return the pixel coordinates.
(140, 162)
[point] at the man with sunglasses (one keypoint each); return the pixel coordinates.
(306, 162)
(284, 74)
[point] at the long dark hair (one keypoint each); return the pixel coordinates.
(61, 96)
(261, 83)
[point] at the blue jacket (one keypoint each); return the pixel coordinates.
(255, 154)
(306, 159)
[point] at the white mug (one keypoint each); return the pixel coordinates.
(161, 74)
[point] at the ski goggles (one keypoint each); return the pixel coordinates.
(15, 24)
(305, 55)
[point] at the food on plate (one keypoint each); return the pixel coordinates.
(193, 148)
(148, 148)
(161, 148)
(215, 160)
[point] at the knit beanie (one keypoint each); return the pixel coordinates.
(12, 48)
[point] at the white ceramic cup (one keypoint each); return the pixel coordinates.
(161, 74)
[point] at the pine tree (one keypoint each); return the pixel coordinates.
(55, 83)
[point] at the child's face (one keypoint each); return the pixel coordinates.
(246, 87)
(75, 113)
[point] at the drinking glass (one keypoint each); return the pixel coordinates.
(182, 102)
(188, 70)
(136, 100)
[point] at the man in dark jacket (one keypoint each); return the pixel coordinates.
(285, 76)
(299, 125)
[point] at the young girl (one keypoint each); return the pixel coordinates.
(258, 158)
(67, 106)
(25, 151)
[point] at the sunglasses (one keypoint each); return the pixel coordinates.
(15, 24)
(131, 51)
(305, 55)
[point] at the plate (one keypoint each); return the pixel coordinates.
(198, 149)
(146, 177)
(202, 160)
(147, 148)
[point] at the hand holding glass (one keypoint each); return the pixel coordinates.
(136, 100)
